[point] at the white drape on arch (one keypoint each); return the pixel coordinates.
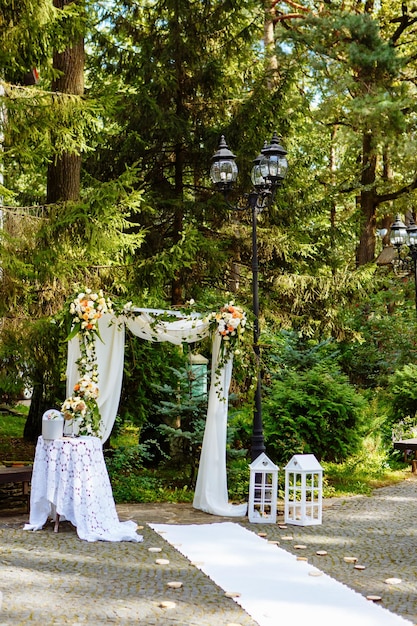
(211, 489)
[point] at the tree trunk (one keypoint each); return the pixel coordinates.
(65, 170)
(64, 178)
(269, 44)
(39, 403)
(177, 282)
(387, 175)
(178, 224)
(368, 202)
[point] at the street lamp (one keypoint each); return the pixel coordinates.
(268, 171)
(402, 235)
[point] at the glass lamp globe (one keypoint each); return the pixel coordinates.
(398, 235)
(412, 233)
(257, 173)
(274, 164)
(223, 171)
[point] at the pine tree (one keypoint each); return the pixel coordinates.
(183, 71)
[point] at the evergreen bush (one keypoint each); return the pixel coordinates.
(314, 411)
(309, 405)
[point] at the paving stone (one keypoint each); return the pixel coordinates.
(50, 579)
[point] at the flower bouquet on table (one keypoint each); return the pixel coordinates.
(230, 323)
(81, 409)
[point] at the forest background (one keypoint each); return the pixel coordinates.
(110, 114)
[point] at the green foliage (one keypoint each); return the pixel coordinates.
(147, 367)
(44, 356)
(181, 97)
(371, 467)
(402, 393)
(12, 383)
(385, 323)
(310, 406)
(146, 487)
(44, 254)
(238, 476)
(126, 459)
(314, 302)
(33, 354)
(315, 411)
(147, 224)
(288, 350)
(405, 428)
(26, 35)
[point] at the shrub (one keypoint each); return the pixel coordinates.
(309, 405)
(314, 411)
(402, 393)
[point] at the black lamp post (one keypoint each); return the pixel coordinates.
(268, 172)
(402, 235)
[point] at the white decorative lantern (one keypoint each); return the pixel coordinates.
(52, 424)
(303, 490)
(263, 491)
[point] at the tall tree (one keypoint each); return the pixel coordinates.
(364, 69)
(183, 71)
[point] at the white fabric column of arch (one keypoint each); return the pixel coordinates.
(211, 490)
(110, 357)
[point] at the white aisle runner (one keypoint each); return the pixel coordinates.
(275, 589)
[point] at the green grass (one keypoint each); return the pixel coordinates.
(12, 445)
(353, 478)
(12, 425)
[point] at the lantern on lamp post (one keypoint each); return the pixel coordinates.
(268, 171)
(400, 236)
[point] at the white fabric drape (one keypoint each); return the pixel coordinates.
(211, 491)
(177, 332)
(110, 357)
(211, 488)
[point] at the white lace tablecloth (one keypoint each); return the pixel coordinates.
(70, 479)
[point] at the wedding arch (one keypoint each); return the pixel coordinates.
(99, 330)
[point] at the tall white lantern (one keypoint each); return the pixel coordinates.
(303, 491)
(263, 487)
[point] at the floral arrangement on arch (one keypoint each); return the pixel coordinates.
(85, 311)
(230, 323)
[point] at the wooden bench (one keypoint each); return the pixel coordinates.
(408, 445)
(21, 474)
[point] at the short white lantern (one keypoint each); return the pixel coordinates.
(303, 491)
(52, 424)
(263, 491)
